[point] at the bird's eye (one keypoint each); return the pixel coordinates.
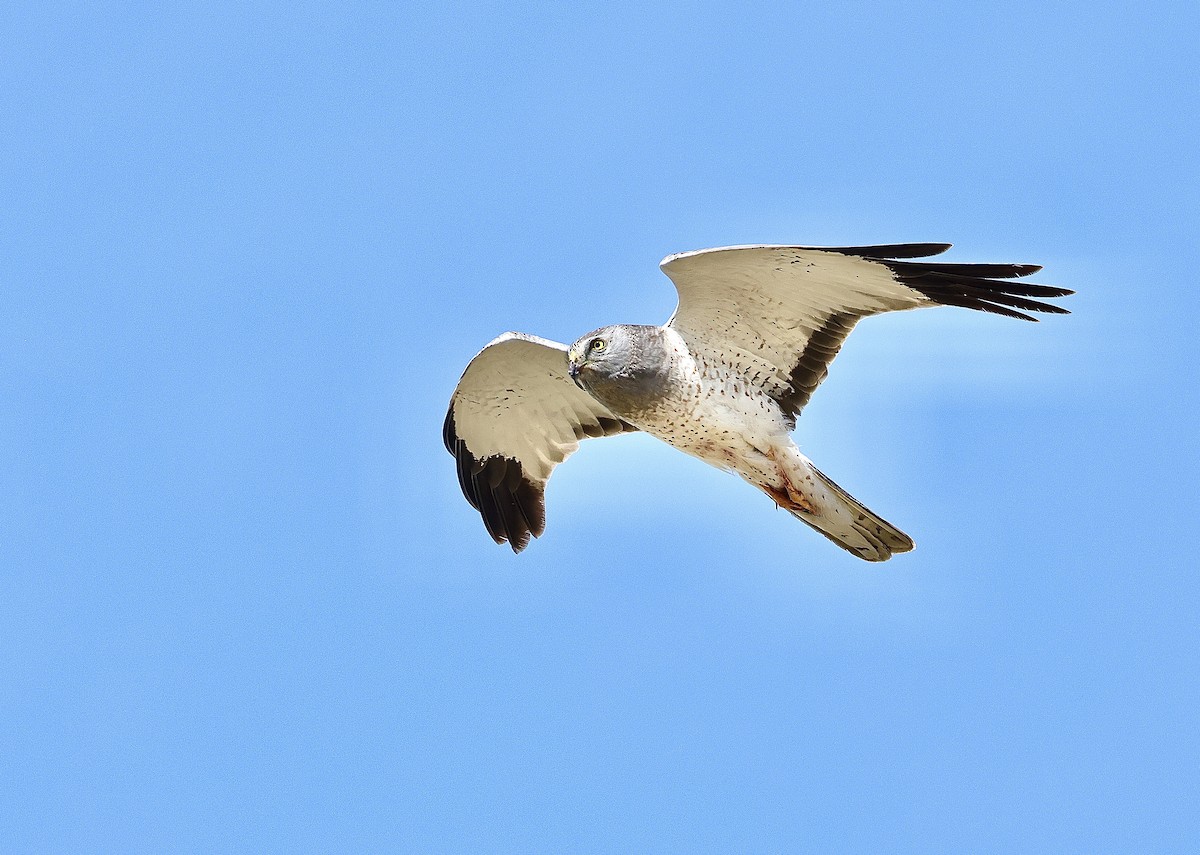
(597, 344)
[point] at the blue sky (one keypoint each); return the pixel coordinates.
(247, 250)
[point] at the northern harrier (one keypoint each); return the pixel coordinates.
(723, 379)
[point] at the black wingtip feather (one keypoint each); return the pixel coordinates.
(986, 287)
(974, 286)
(512, 506)
(891, 250)
(982, 306)
(522, 518)
(492, 519)
(512, 523)
(990, 271)
(462, 464)
(532, 502)
(449, 434)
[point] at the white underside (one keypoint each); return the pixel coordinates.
(744, 432)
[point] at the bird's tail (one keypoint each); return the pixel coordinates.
(813, 498)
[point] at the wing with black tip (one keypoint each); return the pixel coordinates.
(781, 313)
(514, 416)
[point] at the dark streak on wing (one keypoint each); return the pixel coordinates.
(813, 364)
(512, 505)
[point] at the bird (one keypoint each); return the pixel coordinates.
(724, 379)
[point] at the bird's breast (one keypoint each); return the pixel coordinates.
(716, 415)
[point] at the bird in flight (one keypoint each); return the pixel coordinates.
(723, 380)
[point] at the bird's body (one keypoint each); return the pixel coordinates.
(723, 380)
(710, 409)
(695, 403)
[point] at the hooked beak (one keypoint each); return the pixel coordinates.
(573, 370)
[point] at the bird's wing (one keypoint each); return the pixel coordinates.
(781, 313)
(515, 415)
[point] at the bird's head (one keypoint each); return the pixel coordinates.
(600, 355)
(627, 367)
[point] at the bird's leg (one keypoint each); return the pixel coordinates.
(787, 495)
(789, 498)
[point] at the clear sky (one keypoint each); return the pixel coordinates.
(246, 250)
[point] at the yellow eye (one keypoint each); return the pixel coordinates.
(597, 344)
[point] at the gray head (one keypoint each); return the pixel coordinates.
(624, 366)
